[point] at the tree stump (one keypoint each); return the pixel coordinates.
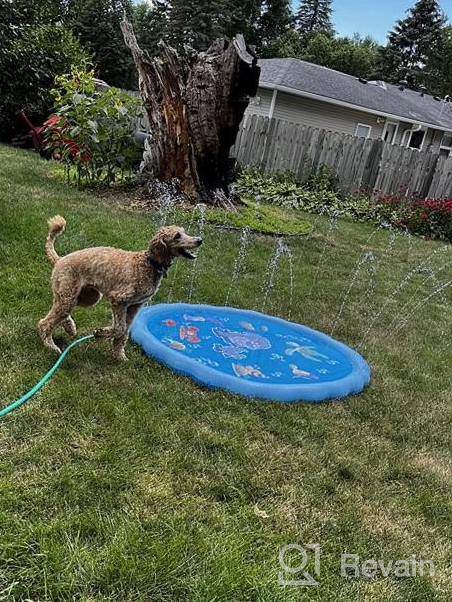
(195, 103)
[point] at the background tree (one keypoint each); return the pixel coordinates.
(356, 56)
(275, 19)
(34, 48)
(244, 19)
(97, 24)
(150, 24)
(314, 16)
(413, 44)
(440, 69)
(197, 23)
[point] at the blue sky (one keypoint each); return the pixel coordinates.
(374, 17)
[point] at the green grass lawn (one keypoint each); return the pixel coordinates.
(127, 482)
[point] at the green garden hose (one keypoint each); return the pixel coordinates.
(15, 404)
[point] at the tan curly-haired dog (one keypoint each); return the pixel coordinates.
(128, 279)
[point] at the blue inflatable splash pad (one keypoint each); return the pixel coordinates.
(249, 353)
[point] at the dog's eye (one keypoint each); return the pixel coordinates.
(177, 236)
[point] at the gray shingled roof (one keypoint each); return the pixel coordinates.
(307, 77)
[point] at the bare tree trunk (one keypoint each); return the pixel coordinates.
(195, 104)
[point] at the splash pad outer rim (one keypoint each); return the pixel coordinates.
(351, 384)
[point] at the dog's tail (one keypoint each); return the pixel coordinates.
(56, 225)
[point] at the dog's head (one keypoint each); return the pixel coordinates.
(170, 242)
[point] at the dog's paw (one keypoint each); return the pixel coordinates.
(51, 345)
(122, 357)
(70, 327)
(103, 333)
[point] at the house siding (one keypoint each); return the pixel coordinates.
(436, 139)
(317, 114)
(331, 117)
(260, 104)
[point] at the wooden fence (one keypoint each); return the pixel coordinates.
(142, 121)
(274, 145)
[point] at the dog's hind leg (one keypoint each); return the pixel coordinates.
(60, 312)
(69, 326)
(119, 343)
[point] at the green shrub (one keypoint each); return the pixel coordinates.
(93, 135)
(317, 195)
(34, 48)
(425, 217)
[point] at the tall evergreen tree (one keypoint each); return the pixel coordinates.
(414, 44)
(275, 19)
(314, 16)
(97, 24)
(198, 23)
(244, 19)
(150, 24)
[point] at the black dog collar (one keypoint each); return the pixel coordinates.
(158, 267)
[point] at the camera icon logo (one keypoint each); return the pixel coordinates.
(307, 579)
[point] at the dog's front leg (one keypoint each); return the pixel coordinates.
(119, 325)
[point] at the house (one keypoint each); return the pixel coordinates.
(308, 94)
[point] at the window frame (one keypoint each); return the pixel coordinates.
(364, 125)
(385, 129)
(446, 147)
(409, 133)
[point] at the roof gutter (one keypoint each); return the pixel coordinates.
(350, 105)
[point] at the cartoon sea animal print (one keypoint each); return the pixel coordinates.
(189, 333)
(247, 340)
(188, 318)
(247, 371)
(229, 351)
(174, 344)
(302, 373)
(170, 322)
(264, 328)
(310, 353)
(246, 325)
(214, 320)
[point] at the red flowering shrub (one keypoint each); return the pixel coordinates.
(427, 217)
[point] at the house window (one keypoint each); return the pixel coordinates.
(390, 131)
(416, 139)
(363, 130)
(446, 145)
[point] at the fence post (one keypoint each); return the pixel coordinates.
(425, 189)
(372, 167)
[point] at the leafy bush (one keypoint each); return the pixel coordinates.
(425, 217)
(34, 48)
(316, 196)
(93, 133)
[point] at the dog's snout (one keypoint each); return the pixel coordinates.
(199, 241)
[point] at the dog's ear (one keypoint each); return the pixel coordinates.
(163, 243)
